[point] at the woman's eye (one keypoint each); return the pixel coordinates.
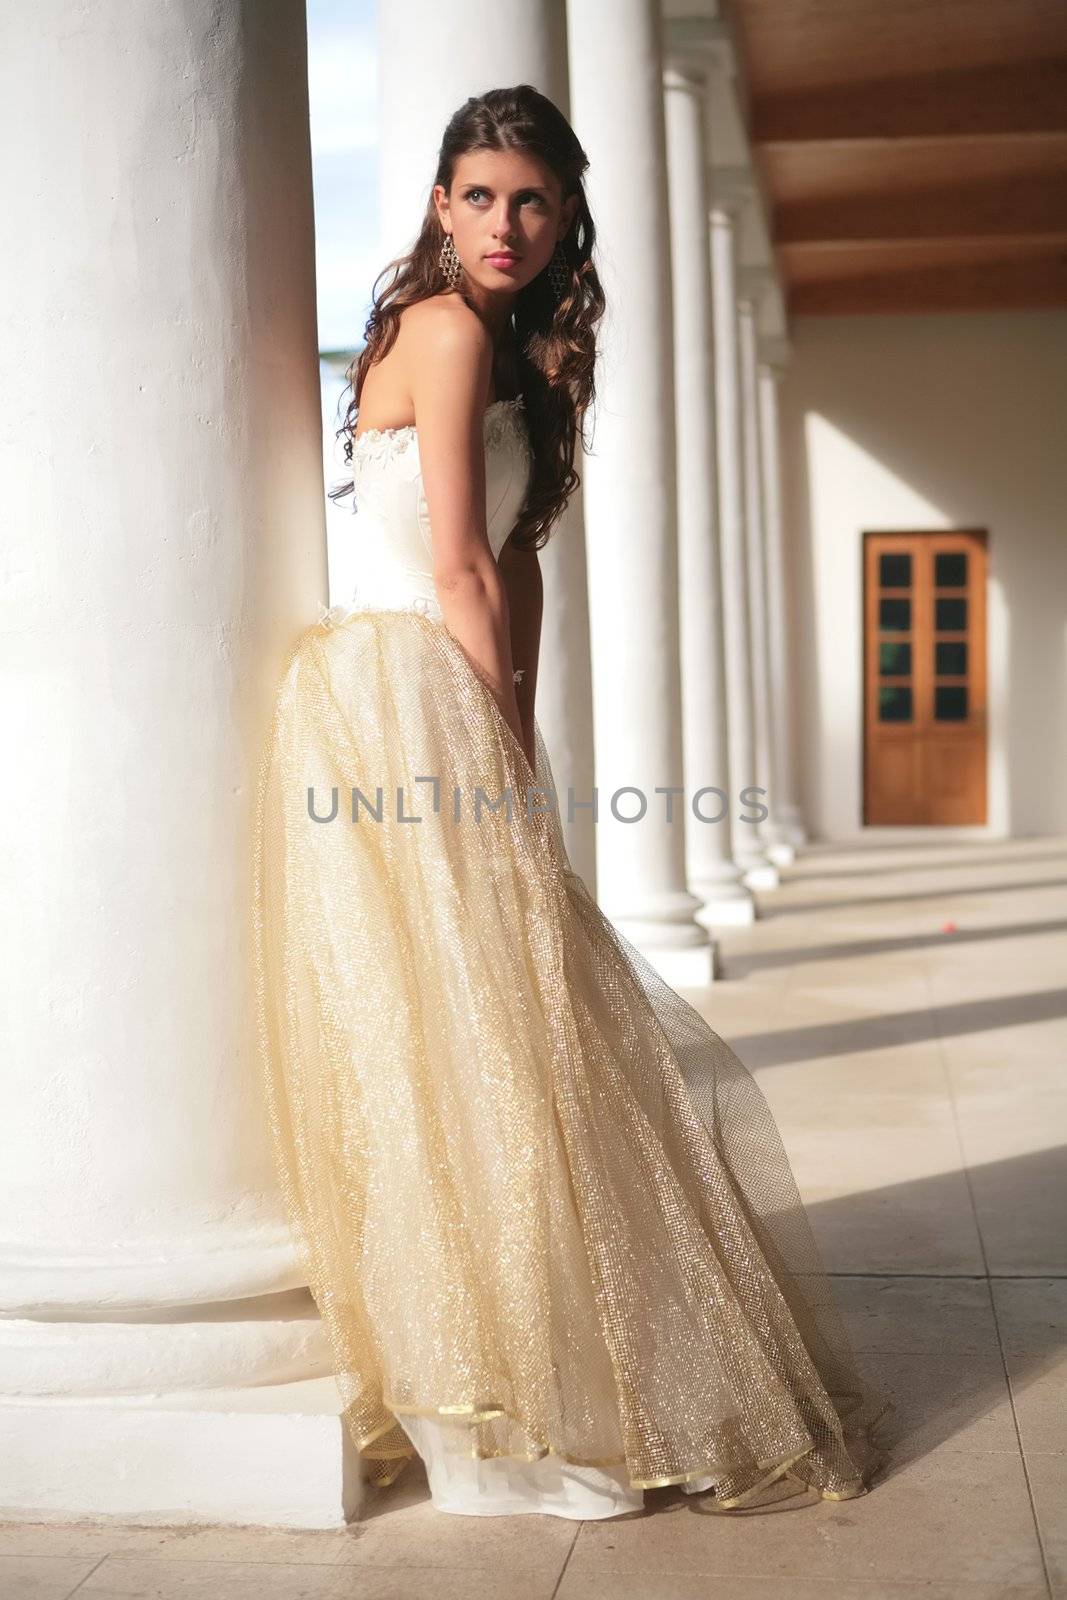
(472, 192)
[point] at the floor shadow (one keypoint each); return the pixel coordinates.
(791, 874)
(855, 1034)
(768, 912)
(742, 964)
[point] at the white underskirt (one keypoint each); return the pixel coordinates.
(506, 1487)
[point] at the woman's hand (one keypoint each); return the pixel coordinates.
(474, 606)
(521, 572)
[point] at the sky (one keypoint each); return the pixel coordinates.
(342, 80)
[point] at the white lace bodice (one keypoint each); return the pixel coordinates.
(394, 556)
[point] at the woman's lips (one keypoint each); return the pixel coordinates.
(503, 260)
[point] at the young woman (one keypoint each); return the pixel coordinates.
(547, 1216)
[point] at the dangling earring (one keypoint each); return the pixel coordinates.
(559, 271)
(449, 262)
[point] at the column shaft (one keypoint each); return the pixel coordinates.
(736, 625)
(630, 500)
(791, 833)
(163, 443)
(712, 872)
(762, 709)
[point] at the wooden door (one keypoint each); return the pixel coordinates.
(924, 678)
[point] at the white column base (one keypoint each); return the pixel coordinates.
(781, 853)
(61, 1349)
(791, 828)
(683, 968)
(762, 875)
(275, 1455)
(723, 909)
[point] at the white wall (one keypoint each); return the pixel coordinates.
(929, 421)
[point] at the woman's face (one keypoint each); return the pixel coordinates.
(504, 204)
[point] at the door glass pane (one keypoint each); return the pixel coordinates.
(894, 703)
(894, 571)
(950, 702)
(951, 658)
(950, 569)
(951, 614)
(894, 659)
(894, 616)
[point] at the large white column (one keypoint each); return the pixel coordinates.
(630, 503)
(713, 874)
(747, 314)
(792, 835)
(161, 452)
(431, 58)
(757, 871)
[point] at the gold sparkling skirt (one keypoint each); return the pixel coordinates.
(536, 1194)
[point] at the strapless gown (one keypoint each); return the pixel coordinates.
(544, 1209)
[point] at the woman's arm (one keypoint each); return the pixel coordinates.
(524, 585)
(450, 357)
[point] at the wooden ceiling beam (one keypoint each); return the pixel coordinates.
(1019, 97)
(847, 278)
(996, 208)
(912, 252)
(1015, 287)
(913, 153)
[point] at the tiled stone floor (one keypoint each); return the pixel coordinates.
(919, 1077)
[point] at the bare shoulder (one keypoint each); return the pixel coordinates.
(448, 359)
(440, 342)
(443, 325)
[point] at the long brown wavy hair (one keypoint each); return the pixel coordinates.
(554, 339)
